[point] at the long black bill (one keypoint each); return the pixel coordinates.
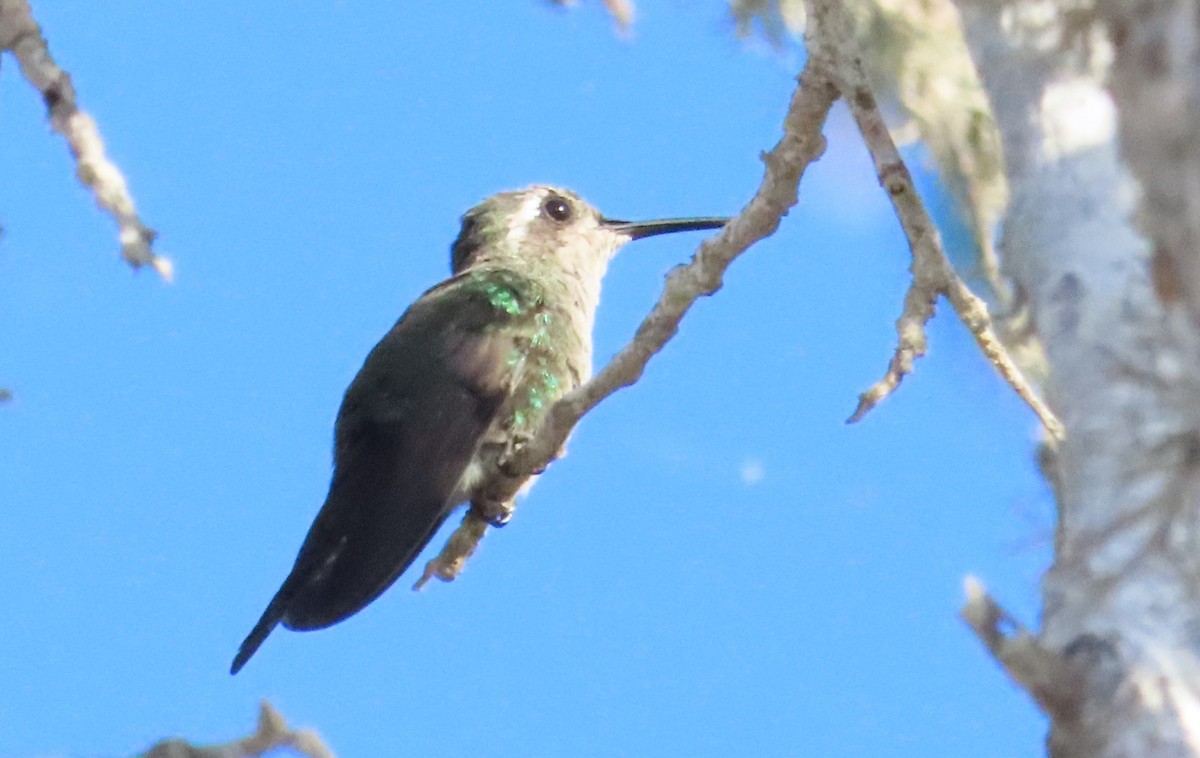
(639, 229)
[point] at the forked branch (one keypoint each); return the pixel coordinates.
(802, 143)
(932, 274)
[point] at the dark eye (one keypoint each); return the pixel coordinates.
(557, 208)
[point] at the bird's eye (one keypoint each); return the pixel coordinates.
(557, 208)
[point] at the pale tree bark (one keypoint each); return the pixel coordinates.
(1099, 183)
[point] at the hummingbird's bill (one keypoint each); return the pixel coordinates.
(640, 229)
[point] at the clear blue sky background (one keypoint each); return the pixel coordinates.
(306, 165)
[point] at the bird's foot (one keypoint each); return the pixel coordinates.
(495, 514)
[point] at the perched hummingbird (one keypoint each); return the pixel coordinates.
(467, 372)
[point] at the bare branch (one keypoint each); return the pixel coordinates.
(933, 276)
(1046, 676)
(21, 34)
(802, 143)
(272, 733)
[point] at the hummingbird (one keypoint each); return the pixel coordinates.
(463, 378)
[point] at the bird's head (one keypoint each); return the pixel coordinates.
(552, 225)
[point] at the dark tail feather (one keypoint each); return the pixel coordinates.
(271, 616)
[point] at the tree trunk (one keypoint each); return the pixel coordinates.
(1097, 109)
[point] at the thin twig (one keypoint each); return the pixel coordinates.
(272, 733)
(802, 143)
(21, 34)
(933, 276)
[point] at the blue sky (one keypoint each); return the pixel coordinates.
(719, 567)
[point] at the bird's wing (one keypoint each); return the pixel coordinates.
(408, 427)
